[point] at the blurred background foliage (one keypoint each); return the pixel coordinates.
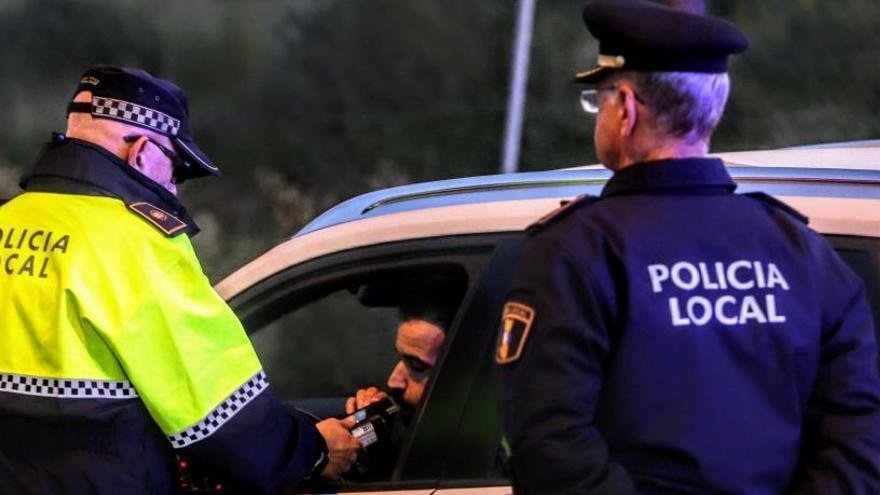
(304, 103)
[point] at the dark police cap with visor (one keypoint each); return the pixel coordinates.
(645, 36)
(135, 97)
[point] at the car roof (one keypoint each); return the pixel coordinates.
(856, 162)
(861, 155)
(838, 198)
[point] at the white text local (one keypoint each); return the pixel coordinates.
(725, 306)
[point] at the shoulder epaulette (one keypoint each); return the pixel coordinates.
(775, 203)
(165, 222)
(565, 207)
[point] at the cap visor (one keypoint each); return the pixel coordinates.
(199, 163)
(591, 76)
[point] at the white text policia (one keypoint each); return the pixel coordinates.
(727, 307)
(36, 246)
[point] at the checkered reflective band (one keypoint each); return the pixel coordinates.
(222, 413)
(66, 388)
(135, 114)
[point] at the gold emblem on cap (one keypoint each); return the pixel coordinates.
(604, 62)
(611, 61)
(158, 215)
(90, 80)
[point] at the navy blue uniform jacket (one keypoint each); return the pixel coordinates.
(686, 339)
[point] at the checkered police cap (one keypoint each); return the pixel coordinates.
(137, 98)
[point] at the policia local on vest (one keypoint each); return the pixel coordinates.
(26, 252)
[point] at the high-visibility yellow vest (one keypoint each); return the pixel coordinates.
(93, 297)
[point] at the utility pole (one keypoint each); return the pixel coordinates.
(519, 75)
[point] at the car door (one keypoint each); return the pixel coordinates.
(319, 343)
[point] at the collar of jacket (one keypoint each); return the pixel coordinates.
(74, 166)
(681, 175)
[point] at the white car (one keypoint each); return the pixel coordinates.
(320, 340)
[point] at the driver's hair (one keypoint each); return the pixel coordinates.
(422, 308)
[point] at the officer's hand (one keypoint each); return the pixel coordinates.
(342, 448)
(364, 398)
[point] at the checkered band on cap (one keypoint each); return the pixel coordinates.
(65, 388)
(135, 114)
(222, 413)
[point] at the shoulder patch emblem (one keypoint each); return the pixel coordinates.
(516, 321)
(159, 218)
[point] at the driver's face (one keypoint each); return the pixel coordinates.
(418, 343)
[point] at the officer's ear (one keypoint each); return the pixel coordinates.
(629, 109)
(136, 153)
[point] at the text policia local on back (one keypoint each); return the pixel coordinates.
(26, 252)
(730, 307)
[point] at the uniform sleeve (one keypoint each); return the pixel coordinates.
(190, 361)
(549, 395)
(840, 450)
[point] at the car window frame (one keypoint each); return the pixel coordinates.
(473, 251)
(471, 454)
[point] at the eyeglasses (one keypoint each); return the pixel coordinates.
(590, 98)
(176, 160)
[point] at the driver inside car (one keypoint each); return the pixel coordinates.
(420, 337)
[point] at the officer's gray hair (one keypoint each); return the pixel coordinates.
(687, 105)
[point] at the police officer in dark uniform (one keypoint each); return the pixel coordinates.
(116, 351)
(671, 336)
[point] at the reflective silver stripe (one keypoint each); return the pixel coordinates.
(222, 413)
(66, 388)
(135, 114)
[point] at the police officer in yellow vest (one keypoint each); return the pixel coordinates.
(116, 352)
